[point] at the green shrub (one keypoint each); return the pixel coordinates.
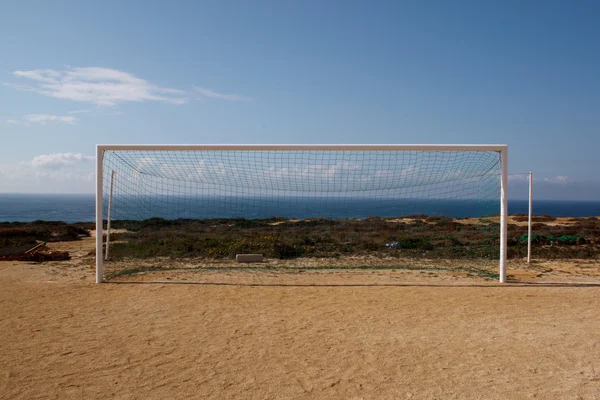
(283, 250)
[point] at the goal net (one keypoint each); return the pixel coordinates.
(162, 207)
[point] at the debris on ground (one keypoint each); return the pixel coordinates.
(37, 253)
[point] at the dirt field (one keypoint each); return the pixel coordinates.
(255, 335)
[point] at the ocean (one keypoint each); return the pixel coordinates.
(81, 208)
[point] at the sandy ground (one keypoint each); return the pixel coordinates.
(390, 334)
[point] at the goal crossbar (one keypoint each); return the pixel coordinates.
(298, 147)
(500, 148)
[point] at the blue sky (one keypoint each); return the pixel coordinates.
(73, 74)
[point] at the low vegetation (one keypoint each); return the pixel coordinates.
(418, 236)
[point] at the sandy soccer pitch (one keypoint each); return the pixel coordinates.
(255, 335)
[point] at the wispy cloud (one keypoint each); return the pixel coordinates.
(60, 160)
(211, 94)
(101, 86)
(557, 179)
(79, 112)
(44, 118)
(518, 177)
(42, 75)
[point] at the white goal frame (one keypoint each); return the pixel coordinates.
(500, 148)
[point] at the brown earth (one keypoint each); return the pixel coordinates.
(392, 334)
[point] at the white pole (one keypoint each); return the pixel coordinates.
(529, 221)
(99, 182)
(503, 213)
(112, 183)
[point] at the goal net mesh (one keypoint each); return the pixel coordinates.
(174, 208)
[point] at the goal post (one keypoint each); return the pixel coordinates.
(99, 218)
(503, 213)
(522, 200)
(373, 166)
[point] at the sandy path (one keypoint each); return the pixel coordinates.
(65, 337)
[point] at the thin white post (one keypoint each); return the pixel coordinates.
(110, 196)
(503, 213)
(529, 220)
(99, 182)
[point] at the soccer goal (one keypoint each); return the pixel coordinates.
(160, 204)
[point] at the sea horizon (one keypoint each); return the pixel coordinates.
(70, 208)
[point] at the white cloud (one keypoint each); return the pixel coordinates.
(79, 112)
(518, 177)
(222, 96)
(557, 179)
(44, 118)
(60, 160)
(50, 173)
(101, 86)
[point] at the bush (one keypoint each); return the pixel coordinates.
(249, 223)
(544, 239)
(416, 216)
(316, 222)
(415, 243)
(285, 250)
(570, 239)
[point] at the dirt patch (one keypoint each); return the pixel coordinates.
(283, 333)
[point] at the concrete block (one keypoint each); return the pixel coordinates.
(248, 258)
